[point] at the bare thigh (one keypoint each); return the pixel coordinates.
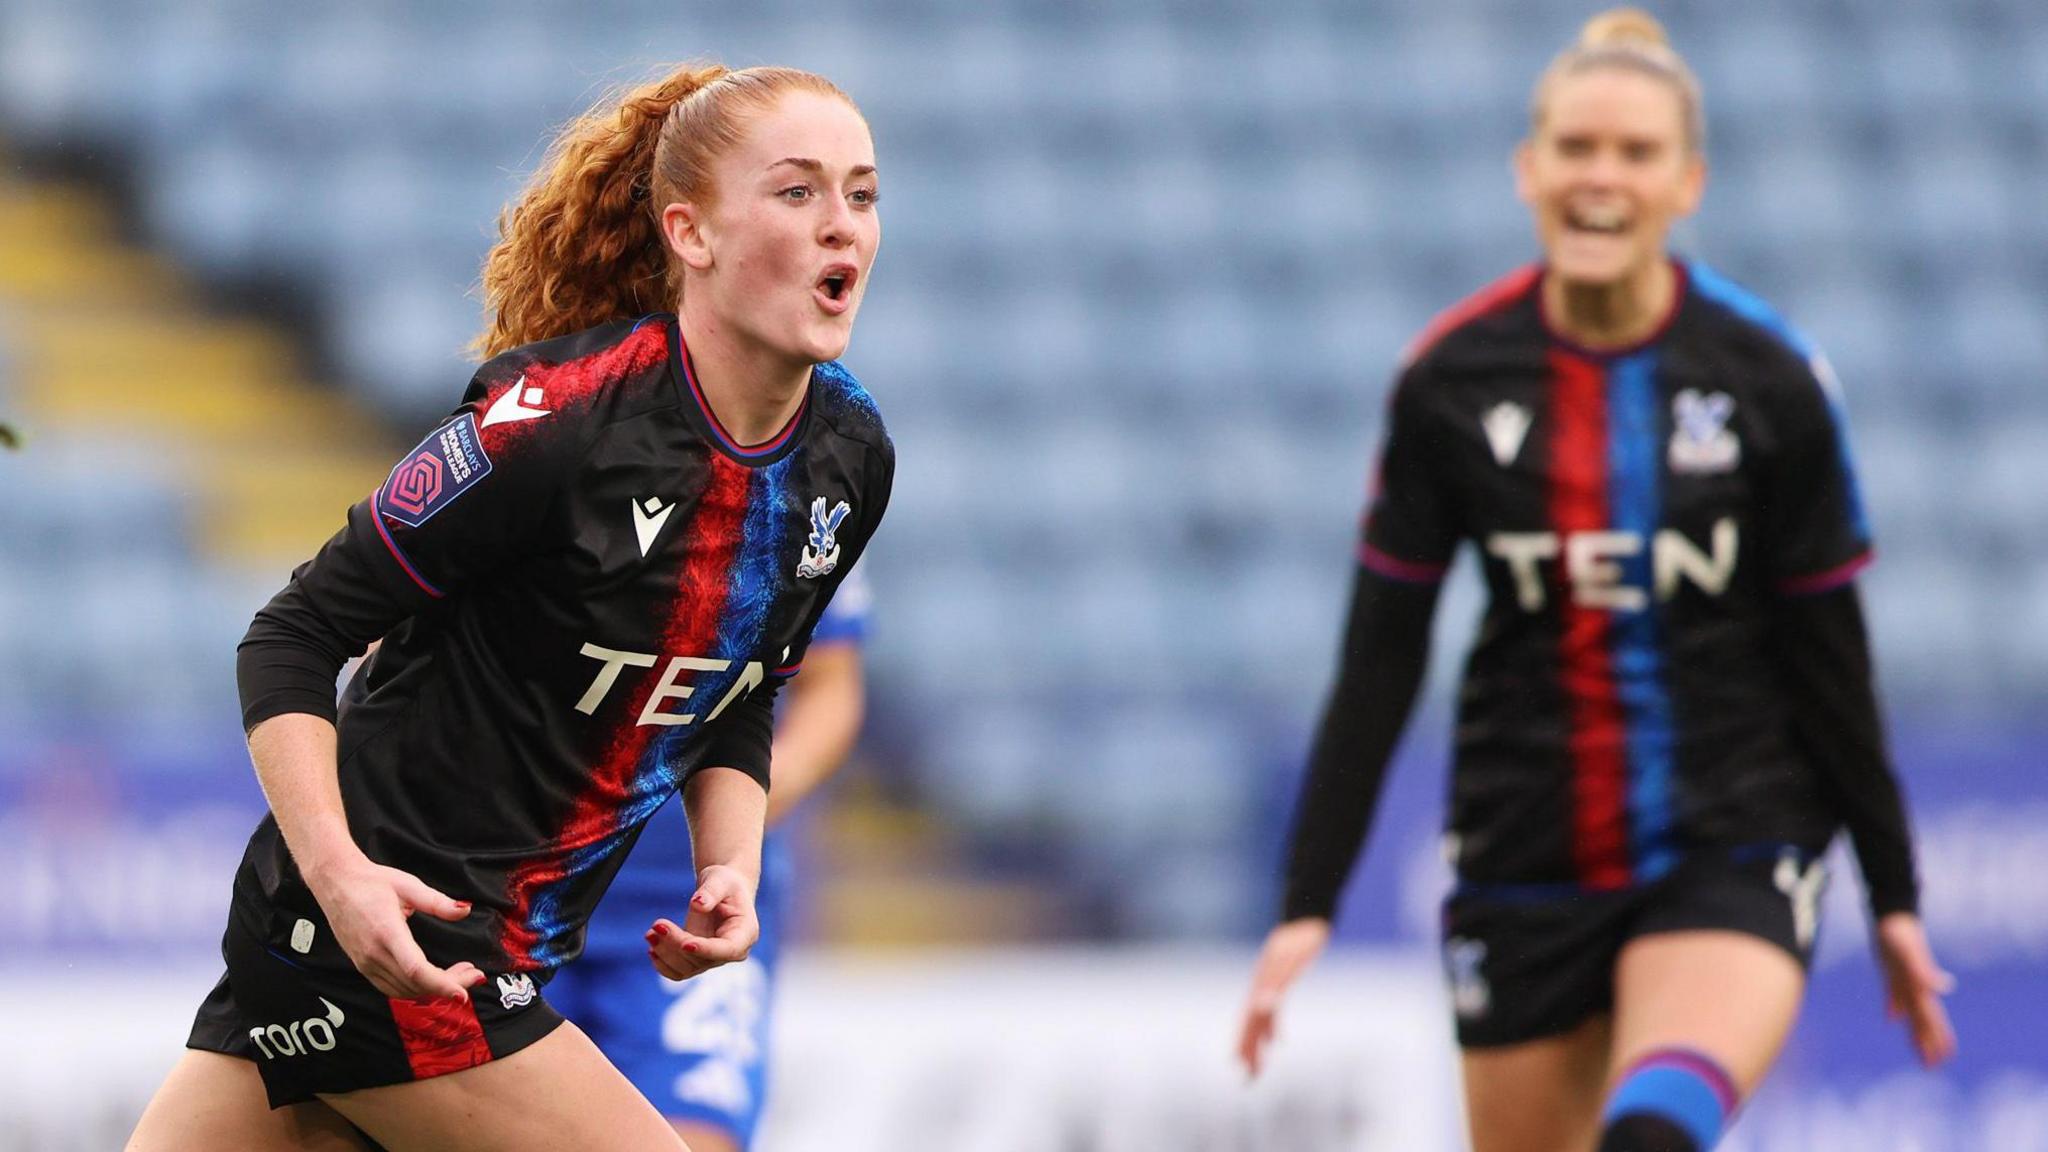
(1729, 995)
(1542, 1096)
(211, 1101)
(706, 1137)
(559, 1092)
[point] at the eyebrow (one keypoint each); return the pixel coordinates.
(810, 165)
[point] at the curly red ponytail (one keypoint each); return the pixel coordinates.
(583, 245)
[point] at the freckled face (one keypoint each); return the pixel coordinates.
(793, 227)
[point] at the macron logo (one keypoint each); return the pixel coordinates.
(648, 517)
(518, 402)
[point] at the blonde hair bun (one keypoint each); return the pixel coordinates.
(1619, 26)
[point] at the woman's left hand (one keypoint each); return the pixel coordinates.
(719, 929)
(1914, 986)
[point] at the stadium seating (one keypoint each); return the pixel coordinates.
(172, 468)
(1145, 277)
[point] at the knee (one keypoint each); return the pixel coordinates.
(1670, 1100)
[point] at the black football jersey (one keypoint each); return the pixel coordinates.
(586, 590)
(1635, 513)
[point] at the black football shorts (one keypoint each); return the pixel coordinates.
(1526, 962)
(292, 1002)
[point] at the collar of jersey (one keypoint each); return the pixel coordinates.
(1680, 289)
(752, 455)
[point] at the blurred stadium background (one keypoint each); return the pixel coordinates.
(1147, 269)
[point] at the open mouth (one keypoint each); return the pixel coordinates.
(836, 285)
(1597, 219)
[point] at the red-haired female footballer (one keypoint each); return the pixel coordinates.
(589, 583)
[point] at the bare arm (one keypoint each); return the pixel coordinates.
(366, 904)
(295, 763)
(820, 721)
(727, 810)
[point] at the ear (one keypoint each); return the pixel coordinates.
(682, 227)
(1693, 185)
(1525, 175)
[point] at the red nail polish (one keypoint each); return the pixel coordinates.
(689, 945)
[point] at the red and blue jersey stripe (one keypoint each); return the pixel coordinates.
(1635, 474)
(726, 590)
(1596, 728)
(1606, 477)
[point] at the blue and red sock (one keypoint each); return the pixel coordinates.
(1670, 1100)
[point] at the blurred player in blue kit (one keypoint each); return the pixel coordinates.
(1668, 711)
(699, 1048)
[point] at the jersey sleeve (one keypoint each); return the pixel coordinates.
(1816, 531)
(1379, 671)
(741, 739)
(1409, 538)
(1410, 530)
(1824, 654)
(468, 501)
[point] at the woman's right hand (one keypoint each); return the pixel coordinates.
(1289, 949)
(720, 927)
(367, 905)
